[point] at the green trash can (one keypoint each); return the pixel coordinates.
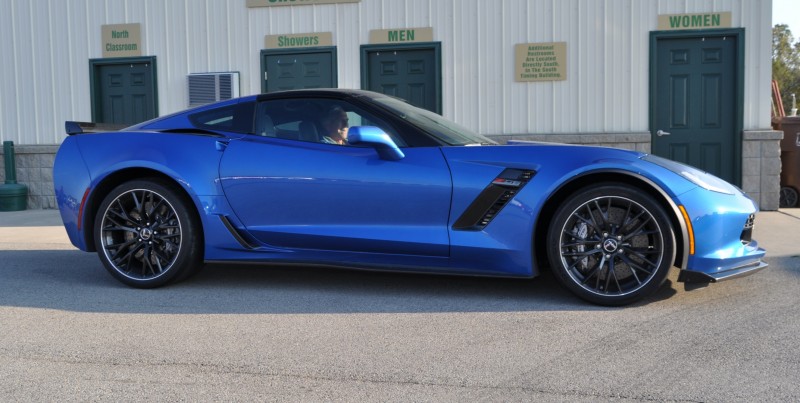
(13, 196)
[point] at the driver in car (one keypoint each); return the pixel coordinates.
(334, 124)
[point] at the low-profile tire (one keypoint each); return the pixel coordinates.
(147, 234)
(611, 244)
(788, 197)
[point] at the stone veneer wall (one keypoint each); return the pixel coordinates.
(628, 141)
(761, 157)
(34, 170)
(761, 167)
(761, 164)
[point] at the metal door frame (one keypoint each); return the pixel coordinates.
(436, 47)
(95, 90)
(737, 33)
(294, 51)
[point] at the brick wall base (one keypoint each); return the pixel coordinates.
(761, 167)
(34, 170)
(761, 162)
(761, 156)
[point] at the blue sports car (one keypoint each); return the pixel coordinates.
(356, 179)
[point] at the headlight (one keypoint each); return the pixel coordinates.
(703, 179)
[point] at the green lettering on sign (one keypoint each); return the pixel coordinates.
(401, 35)
(422, 34)
(694, 21)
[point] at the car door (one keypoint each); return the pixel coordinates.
(292, 191)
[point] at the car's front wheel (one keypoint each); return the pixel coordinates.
(611, 244)
(147, 235)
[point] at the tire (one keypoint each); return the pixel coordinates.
(611, 244)
(147, 234)
(788, 197)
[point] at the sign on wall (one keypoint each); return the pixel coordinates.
(122, 40)
(671, 22)
(401, 35)
(271, 3)
(308, 40)
(540, 61)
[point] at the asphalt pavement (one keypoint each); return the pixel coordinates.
(70, 332)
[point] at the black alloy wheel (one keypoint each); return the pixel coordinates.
(788, 197)
(611, 244)
(147, 235)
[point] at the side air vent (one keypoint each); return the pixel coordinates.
(747, 232)
(492, 199)
(205, 88)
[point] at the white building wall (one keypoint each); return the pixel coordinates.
(46, 45)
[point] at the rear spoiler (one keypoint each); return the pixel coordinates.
(90, 127)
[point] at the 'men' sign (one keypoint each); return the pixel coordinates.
(671, 22)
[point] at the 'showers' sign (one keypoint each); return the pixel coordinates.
(670, 22)
(271, 3)
(298, 40)
(122, 40)
(402, 35)
(540, 61)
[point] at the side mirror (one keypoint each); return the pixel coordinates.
(377, 139)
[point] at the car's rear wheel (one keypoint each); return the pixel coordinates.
(788, 197)
(611, 244)
(147, 235)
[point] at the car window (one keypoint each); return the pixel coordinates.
(233, 118)
(445, 130)
(314, 119)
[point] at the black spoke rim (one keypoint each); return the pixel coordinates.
(611, 246)
(141, 234)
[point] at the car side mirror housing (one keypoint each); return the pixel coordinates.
(377, 139)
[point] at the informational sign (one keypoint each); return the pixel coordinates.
(122, 40)
(272, 3)
(401, 35)
(540, 61)
(308, 40)
(671, 22)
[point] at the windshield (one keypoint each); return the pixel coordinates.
(444, 130)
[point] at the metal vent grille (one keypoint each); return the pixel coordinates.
(747, 232)
(225, 86)
(205, 88)
(492, 199)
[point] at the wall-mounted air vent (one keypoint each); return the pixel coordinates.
(205, 88)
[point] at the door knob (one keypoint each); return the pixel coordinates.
(660, 133)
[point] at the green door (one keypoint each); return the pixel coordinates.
(298, 68)
(694, 116)
(411, 73)
(124, 90)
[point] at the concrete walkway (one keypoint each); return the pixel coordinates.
(32, 229)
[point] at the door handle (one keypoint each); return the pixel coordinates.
(660, 133)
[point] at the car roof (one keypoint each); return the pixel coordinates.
(339, 92)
